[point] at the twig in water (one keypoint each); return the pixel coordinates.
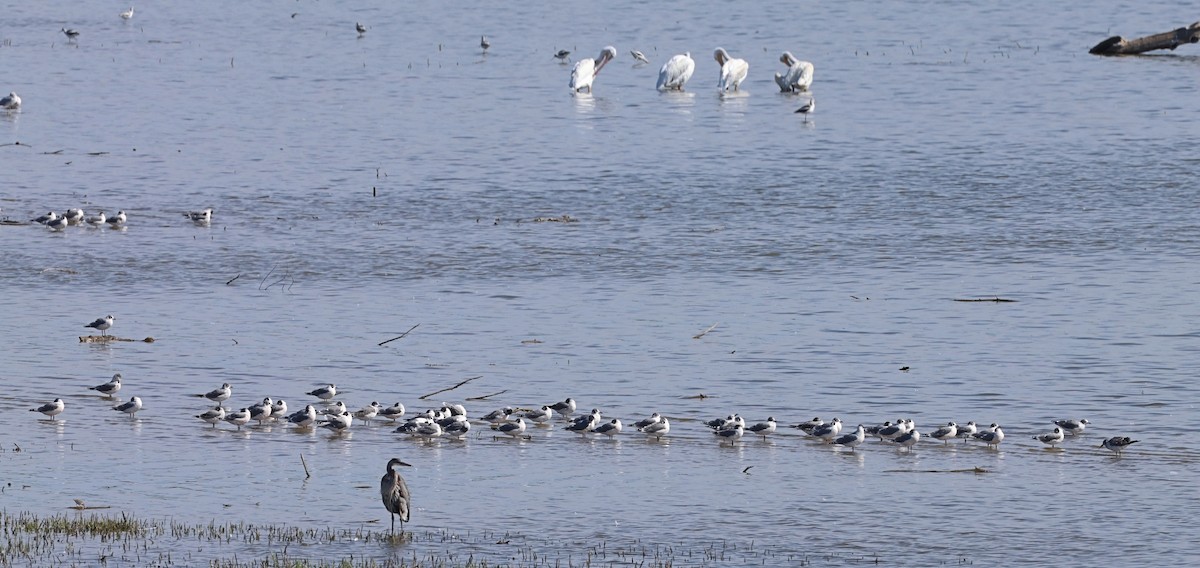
(307, 475)
(451, 388)
(230, 281)
(996, 299)
(705, 332)
(401, 336)
(487, 396)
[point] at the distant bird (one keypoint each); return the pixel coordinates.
(73, 216)
(641, 57)
(657, 429)
(676, 72)
(763, 428)
(458, 428)
(131, 408)
(732, 434)
(279, 409)
(71, 33)
(1051, 438)
(368, 412)
(326, 392)
(102, 324)
(725, 423)
(562, 55)
(303, 418)
(118, 219)
(498, 416)
(334, 409)
(97, 220)
(908, 439)
(891, 432)
(218, 395)
(514, 429)
(484, 43)
(852, 440)
(968, 431)
(239, 418)
(654, 419)
(360, 28)
(202, 216)
(110, 388)
(567, 407)
(1073, 426)
(455, 409)
(733, 70)
(127, 14)
(213, 416)
(610, 429)
(393, 412)
(991, 437)
(11, 102)
(585, 70)
(58, 224)
(945, 433)
(540, 416)
(808, 108)
(799, 76)
(807, 427)
(583, 424)
(394, 492)
(338, 422)
(51, 409)
(261, 412)
(46, 218)
(1117, 444)
(828, 431)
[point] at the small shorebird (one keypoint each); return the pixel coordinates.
(51, 409)
(360, 28)
(110, 388)
(1117, 443)
(562, 55)
(484, 43)
(203, 216)
(102, 324)
(11, 102)
(127, 14)
(641, 57)
(71, 33)
(808, 108)
(394, 492)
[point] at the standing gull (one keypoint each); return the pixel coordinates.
(11, 102)
(368, 412)
(807, 426)
(1117, 444)
(992, 437)
(261, 412)
(394, 493)
(657, 429)
(361, 29)
(213, 415)
(585, 70)
(326, 392)
(1051, 438)
(945, 433)
(828, 431)
(676, 72)
(612, 428)
(514, 429)
(908, 439)
(131, 408)
(733, 70)
(654, 419)
(74, 216)
(51, 409)
(58, 224)
(763, 428)
(540, 416)
(966, 432)
(1073, 426)
(583, 424)
(566, 408)
(102, 324)
(110, 388)
(218, 395)
(393, 412)
(304, 418)
(239, 418)
(46, 218)
(852, 440)
(732, 434)
(97, 220)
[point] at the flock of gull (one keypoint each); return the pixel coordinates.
(76, 216)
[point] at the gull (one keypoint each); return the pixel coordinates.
(368, 412)
(484, 43)
(641, 57)
(203, 216)
(1051, 438)
(852, 440)
(1117, 444)
(110, 388)
(102, 324)
(874, 430)
(216, 414)
(654, 419)
(733, 70)
(392, 413)
(808, 108)
(447, 421)
(324, 393)
(592, 419)
(127, 14)
(361, 29)
(338, 422)
(514, 429)
(540, 416)
(71, 33)
(97, 220)
(583, 424)
(118, 219)
(829, 431)
(763, 428)
(428, 430)
(261, 412)
(395, 494)
(585, 70)
(11, 102)
(498, 416)
(807, 427)
(46, 218)
(562, 55)
(612, 428)
(218, 395)
(676, 72)
(731, 434)
(455, 409)
(335, 408)
(420, 426)
(1073, 426)
(239, 418)
(58, 224)
(278, 409)
(131, 408)
(945, 433)
(992, 437)
(567, 407)
(908, 439)
(73, 216)
(51, 409)
(725, 423)
(458, 428)
(657, 429)
(966, 432)
(304, 418)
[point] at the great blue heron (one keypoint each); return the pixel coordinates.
(395, 494)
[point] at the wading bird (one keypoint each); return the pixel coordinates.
(585, 70)
(733, 70)
(676, 72)
(394, 493)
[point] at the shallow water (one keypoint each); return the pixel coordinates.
(366, 185)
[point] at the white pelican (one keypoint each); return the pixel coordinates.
(585, 70)
(733, 71)
(799, 76)
(676, 72)
(11, 102)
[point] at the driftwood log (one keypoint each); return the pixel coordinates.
(1118, 45)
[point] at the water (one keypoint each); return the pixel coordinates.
(366, 185)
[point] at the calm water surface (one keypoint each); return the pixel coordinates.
(364, 185)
